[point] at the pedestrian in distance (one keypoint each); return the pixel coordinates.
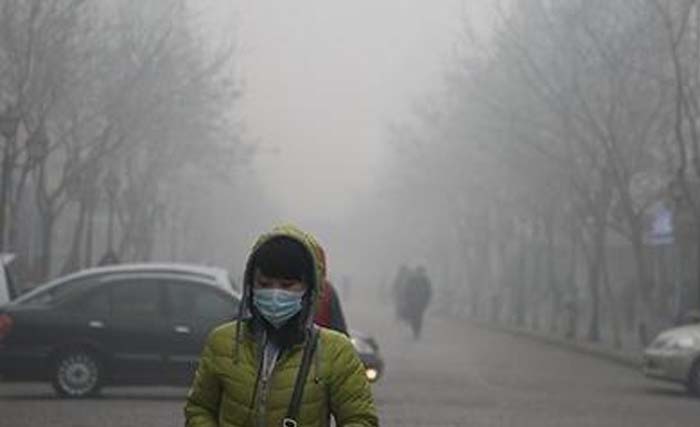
(415, 296)
(272, 366)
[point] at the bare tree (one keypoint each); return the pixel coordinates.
(118, 87)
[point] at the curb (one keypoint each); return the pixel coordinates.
(622, 358)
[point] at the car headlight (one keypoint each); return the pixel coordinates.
(371, 374)
(361, 346)
(681, 343)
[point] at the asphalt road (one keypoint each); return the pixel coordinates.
(457, 375)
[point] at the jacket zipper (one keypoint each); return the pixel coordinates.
(262, 396)
(262, 403)
(264, 379)
(255, 403)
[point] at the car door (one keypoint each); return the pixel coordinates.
(137, 330)
(194, 309)
(83, 318)
(48, 322)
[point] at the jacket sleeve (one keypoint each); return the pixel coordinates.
(351, 399)
(204, 397)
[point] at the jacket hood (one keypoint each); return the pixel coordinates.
(316, 277)
(313, 249)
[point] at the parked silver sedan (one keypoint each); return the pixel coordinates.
(675, 356)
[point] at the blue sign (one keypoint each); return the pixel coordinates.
(661, 232)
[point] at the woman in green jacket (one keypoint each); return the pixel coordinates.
(272, 367)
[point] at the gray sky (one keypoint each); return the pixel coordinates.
(321, 80)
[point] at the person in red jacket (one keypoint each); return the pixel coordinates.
(329, 312)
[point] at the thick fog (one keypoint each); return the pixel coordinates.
(323, 82)
(536, 157)
(529, 167)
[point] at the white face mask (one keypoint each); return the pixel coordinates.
(277, 306)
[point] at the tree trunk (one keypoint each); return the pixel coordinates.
(474, 279)
(89, 235)
(5, 188)
(13, 234)
(572, 299)
(535, 283)
(486, 285)
(499, 266)
(644, 288)
(173, 241)
(596, 260)
(614, 313)
(16, 204)
(72, 263)
(46, 250)
(554, 291)
(593, 286)
(697, 264)
(519, 285)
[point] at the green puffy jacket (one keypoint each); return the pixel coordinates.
(223, 392)
(227, 391)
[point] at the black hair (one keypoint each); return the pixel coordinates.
(284, 258)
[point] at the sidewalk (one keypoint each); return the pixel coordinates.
(601, 351)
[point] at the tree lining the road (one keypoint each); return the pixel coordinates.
(119, 110)
(551, 147)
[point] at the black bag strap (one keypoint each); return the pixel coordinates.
(295, 404)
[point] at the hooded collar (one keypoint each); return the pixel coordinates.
(296, 329)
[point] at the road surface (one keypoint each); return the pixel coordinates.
(457, 375)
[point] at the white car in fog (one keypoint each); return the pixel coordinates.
(675, 356)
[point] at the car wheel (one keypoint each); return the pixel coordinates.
(77, 374)
(693, 384)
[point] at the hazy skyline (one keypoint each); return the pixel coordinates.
(321, 81)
